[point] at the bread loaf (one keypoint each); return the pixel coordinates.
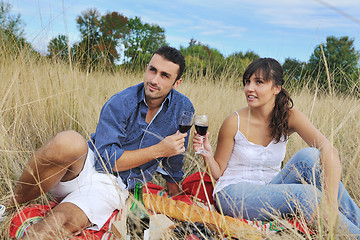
(184, 212)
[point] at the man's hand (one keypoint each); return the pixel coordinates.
(171, 145)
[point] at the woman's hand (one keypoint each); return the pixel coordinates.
(197, 142)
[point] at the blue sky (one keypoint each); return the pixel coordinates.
(270, 28)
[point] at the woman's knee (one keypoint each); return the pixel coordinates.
(227, 207)
(309, 193)
(226, 203)
(309, 156)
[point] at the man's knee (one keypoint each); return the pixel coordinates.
(65, 147)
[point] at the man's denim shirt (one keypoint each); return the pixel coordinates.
(122, 127)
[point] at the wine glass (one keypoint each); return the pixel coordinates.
(186, 121)
(201, 125)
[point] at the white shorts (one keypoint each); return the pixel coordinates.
(96, 194)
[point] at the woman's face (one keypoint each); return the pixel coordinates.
(259, 92)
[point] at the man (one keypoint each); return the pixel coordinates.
(137, 130)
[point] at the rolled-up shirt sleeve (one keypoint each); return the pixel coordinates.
(110, 134)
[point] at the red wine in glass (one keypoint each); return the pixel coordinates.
(201, 129)
(186, 121)
(201, 125)
(184, 128)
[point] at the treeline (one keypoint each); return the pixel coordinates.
(104, 37)
(334, 65)
(11, 30)
(113, 41)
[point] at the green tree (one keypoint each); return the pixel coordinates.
(86, 52)
(101, 37)
(202, 59)
(58, 47)
(342, 61)
(237, 62)
(143, 39)
(293, 70)
(248, 55)
(89, 24)
(11, 29)
(203, 52)
(113, 28)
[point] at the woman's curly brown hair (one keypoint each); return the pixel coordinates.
(271, 70)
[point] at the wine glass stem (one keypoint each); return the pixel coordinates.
(202, 143)
(202, 149)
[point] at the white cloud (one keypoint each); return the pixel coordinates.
(206, 27)
(290, 13)
(307, 14)
(228, 25)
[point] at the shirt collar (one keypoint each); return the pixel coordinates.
(141, 96)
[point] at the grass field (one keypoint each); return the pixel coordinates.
(40, 98)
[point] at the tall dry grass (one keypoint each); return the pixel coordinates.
(40, 98)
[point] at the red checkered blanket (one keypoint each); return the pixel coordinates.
(197, 188)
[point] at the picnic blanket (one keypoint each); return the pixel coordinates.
(197, 187)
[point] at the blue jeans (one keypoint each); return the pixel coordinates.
(296, 188)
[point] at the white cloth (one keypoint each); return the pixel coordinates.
(251, 162)
(96, 194)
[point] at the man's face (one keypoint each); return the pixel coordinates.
(160, 78)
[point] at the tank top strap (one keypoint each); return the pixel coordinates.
(238, 119)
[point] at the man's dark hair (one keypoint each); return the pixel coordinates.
(173, 55)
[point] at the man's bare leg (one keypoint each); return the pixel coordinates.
(63, 221)
(60, 159)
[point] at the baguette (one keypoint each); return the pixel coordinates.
(184, 212)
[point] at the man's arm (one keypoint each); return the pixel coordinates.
(169, 146)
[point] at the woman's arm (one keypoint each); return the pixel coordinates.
(217, 163)
(329, 157)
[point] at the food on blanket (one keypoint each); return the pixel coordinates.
(192, 237)
(184, 212)
(188, 230)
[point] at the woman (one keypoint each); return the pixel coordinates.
(251, 147)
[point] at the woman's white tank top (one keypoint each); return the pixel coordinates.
(251, 162)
